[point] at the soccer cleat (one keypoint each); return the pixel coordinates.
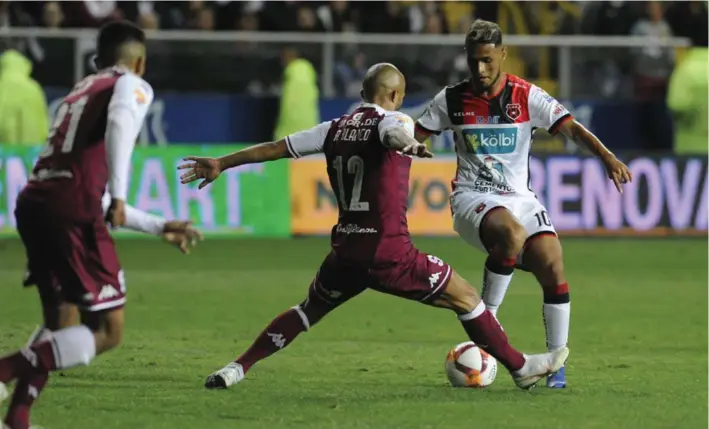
(557, 380)
(4, 394)
(225, 377)
(538, 366)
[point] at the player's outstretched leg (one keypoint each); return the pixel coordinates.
(278, 334)
(484, 330)
(543, 256)
(504, 236)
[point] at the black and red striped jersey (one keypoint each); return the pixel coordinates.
(493, 135)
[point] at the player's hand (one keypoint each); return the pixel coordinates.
(200, 168)
(116, 213)
(182, 234)
(417, 149)
(617, 172)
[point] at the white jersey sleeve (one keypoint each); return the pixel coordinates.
(308, 142)
(137, 219)
(395, 120)
(435, 118)
(127, 109)
(545, 111)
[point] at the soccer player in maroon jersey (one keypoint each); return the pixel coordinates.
(368, 154)
(60, 218)
(494, 115)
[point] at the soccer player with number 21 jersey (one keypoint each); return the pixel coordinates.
(494, 116)
(62, 217)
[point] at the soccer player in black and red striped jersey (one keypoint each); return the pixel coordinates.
(494, 115)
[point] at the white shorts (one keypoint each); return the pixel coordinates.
(470, 208)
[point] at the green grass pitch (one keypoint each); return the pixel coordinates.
(638, 344)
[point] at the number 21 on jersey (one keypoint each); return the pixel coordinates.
(74, 110)
(354, 166)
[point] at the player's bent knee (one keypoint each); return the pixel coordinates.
(312, 310)
(551, 273)
(514, 236)
(459, 296)
(107, 328)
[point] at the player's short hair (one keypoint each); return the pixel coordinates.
(483, 32)
(110, 39)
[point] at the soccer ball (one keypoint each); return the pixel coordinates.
(469, 366)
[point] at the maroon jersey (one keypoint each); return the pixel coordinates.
(71, 173)
(370, 181)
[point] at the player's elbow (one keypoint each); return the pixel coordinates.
(276, 150)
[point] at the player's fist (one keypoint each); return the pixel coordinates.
(417, 149)
(116, 213)
(181, 234)
(617, 171)
(200, 168)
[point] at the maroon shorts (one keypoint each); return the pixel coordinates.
(77, 259)
(419, 277)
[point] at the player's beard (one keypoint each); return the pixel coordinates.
(493, 81)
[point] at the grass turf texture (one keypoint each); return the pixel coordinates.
(638, 344)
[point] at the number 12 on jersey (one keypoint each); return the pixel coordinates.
(355, 165)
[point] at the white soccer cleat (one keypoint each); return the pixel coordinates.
(536, 367)
(225, 377)
(4, 394)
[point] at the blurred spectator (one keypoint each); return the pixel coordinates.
(651, 72)
(435, 24)
(349, 75)
(148, 21)
(91, 13)
(653, 64)
(337, 16)
(299, 109)
(204, 19)
(248, 22)
(23, 108)
(308, 21)
(52, 15)
(688, 99)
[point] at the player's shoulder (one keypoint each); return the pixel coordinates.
(396, 116)
(517, 85)
(456, 89)
(133, 84)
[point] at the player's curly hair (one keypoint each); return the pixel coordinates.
(483, 32)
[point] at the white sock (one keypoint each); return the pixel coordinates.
(73, 346)
(556, 323)
(494, 289)
(477, 312)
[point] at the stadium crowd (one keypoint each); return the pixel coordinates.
(428, 68)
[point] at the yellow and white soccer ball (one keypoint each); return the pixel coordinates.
(469, 366)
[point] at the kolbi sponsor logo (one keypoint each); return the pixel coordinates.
(352, 228)
(484, 141)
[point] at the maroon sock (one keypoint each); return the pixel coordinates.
(26, 392)
(39, 357)
(277, 335)
(484, 331)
